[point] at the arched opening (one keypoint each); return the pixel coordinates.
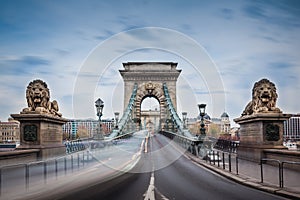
(150, 113)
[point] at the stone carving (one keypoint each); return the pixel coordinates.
(150, 87)
(272, 132)
(30, 133)
(38, 99)
(264, 98)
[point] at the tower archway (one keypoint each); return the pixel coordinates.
(150, 114)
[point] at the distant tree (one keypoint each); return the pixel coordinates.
(82, 132)
(214, 130)
(66, 136)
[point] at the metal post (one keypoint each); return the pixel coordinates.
(218, 159)
(65, 165)
(83, 158)
(237, 165)
(229, 160)
(196, 150)
(214, 158)
(282, 173)
(78, 160)
(261, 171)
(223, 159)
(27, 176)
(72, 162)
(45, 172)
(0, 181)
(56, 169)
(280, 178)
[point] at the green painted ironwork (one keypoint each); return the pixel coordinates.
(126, 115)
(174, 116)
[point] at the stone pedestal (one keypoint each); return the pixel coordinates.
(258, 132)
(43, 132)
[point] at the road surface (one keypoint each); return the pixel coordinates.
(164, 172)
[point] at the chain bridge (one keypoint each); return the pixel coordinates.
(154, 79)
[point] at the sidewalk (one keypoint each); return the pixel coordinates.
(249, 174)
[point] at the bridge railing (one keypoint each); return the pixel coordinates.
(192, 144)
(74, 146)
(227, 145)
(43, 170)
(281, 168)
(36, 173)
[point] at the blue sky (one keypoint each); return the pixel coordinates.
(52, 40)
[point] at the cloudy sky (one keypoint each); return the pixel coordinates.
(64, 41)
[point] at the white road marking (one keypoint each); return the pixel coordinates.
(150, 192)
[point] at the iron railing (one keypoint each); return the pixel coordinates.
(74, 146)
(280, 169)
(227, 145)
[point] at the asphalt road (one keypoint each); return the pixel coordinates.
(165, 173)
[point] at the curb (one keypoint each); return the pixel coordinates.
(245, 181)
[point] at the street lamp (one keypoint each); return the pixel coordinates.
(117, 119)
(99, 107)
(202, 113)
(184, 114)
(167, 126)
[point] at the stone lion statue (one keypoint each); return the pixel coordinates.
(264, 97)
(38, 99)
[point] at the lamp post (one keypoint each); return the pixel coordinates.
(117, 119)
(99, 107)
(202, 113)
(184, 114)
(167, 126)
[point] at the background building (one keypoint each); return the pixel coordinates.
(84, 128)
(9, 131)
(214, 126)
(223, 122)
(292, 128)
(150, 119)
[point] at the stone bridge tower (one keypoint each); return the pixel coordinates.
(150, 77)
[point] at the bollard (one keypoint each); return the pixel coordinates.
(214, 160)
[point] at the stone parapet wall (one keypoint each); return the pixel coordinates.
(18, 157)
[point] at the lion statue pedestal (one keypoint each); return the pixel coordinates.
(261, 123)
(40, 122)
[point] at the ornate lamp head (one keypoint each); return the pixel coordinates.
(202, 109)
